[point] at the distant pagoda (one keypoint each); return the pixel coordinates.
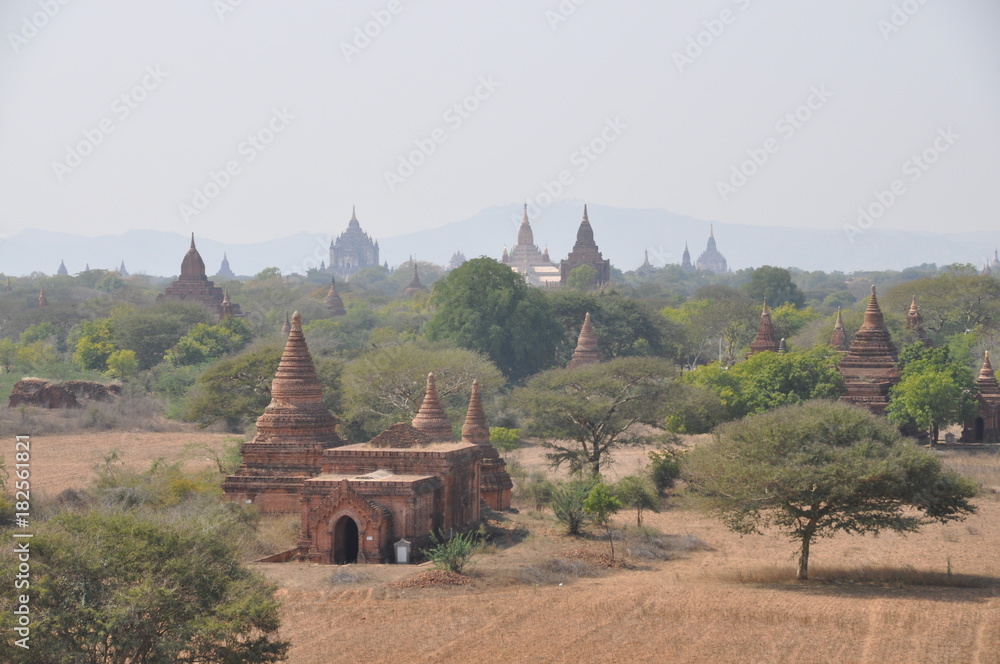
(711, 260)
(838, 338)
(869, 367)
(587, 350)
(527, 260)
(585, 252)
(224, 270)
(353, 250)
(193, 286)
(62, 271)
(985, 426)
(333, 302)
(765, 334)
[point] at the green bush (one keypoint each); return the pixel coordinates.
(453, 553)
(567, 503)
(664, 468)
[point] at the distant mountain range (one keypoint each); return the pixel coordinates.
(621, 234)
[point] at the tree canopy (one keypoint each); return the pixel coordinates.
(819, 468)
(485, 306)
(587, 412)
(128, 587)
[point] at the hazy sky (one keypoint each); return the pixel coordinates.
(243, 120)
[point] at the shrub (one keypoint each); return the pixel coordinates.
(567, 503)
(664, 468)
(453, 553)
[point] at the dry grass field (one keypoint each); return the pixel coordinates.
(698, 593)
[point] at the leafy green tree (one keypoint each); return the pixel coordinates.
(8, 355)
(505, 440)
(43, 331)
(582, 278)
(602, 504)
(485, 306)
(124, 587)
(933, 391)
(93, 344)
(719, 321)
(819, 468)
(205, 342)
(588, 412)
(638, 493)
(768, 380)
(950, 303)
(664, 468)
(122, 364)
(775, 284)
(387, 385)
(152, 331)
(235, 390)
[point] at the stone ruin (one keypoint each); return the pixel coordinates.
(869, 367)
(355, 501)
(43, 393)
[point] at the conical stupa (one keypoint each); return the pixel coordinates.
(431, 419)
(587, 351)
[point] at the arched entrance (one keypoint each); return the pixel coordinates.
(979, 430)
(345, 541)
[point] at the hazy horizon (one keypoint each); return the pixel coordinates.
(246, 121)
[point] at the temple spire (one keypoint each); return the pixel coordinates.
(587, 350)
(475, 430)
(765, 334)
(333, 301)
(838, 339)
(430, 419)
(42, 301)
(287, 327)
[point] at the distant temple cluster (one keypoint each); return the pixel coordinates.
(193, 286)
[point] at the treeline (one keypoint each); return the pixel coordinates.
(481, 320)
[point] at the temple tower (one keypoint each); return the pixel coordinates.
(869, 367)
(431, 419)
(193, 285)
(915, 323)
(526, 259)
(415, 285)
(225, 271)
(333, 301)
(711, 260)
(587, 351)
(985, 426)
(42, 300)
(838, 339)
(686, 260)
(353, 250)
(765, 334)
(585, 252)
(292, 433)
(495, 483)
(62, 269)
(122, 272)
(287, 327)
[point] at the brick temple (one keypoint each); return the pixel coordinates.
(869, 366)
(527, 260)
(193, 286)
(585, 252)
(985, 426)
(355, 501)
(764, 340)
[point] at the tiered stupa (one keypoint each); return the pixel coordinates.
(287, 327)
(765, 334)
(193, 285)
(333, 301)
(711, 260)
(527, 260)
(226, 308)
(353, 250)
(122, 272)
(494, 482)
(415, 285)
(985, 426)
(42, 300)
(62, 271)
(869, 367)
(686, 264)
(585, 252)
(587, 350)
(291, 434)
(225, 271)
(838, 338)
(915, 323)
(431, 420)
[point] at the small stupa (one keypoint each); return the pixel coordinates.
(431, 419)
(587, 351)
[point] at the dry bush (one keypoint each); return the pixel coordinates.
(129, 412)
(349, 576)
(557, 570)
(649, 544)
(274, 533)
(885, 576)
(982, 465)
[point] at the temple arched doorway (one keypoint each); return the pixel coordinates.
(345, 541)
(979, 430)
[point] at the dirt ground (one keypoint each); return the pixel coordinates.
(540, 596)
